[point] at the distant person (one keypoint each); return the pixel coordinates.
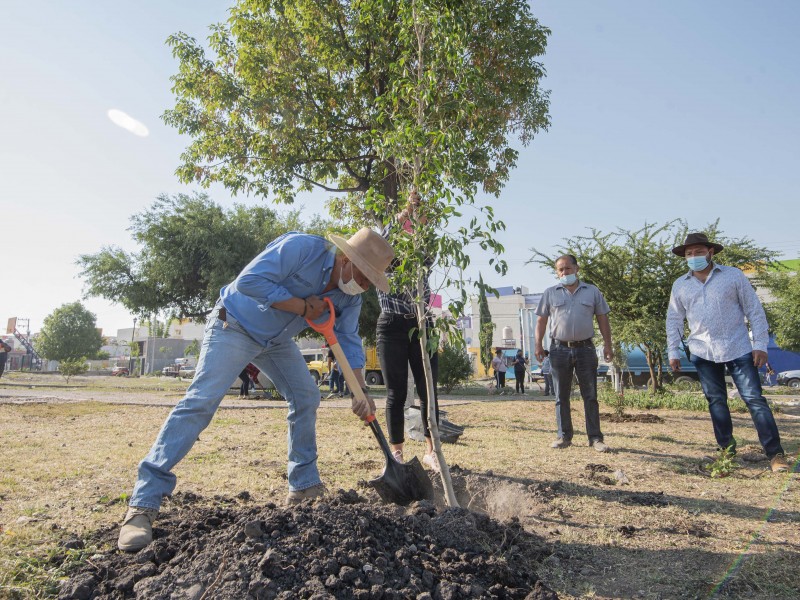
(253, 372)
(255, 320)
(244, 389)
(4, 350)
(500, 368)
(520, 365)
(714, 300)
(399, 349)
(769, 375)
(570, 308)
(546, 374)
(334, 385)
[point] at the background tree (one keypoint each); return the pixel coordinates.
(783, 312)
(455, 367)
(190, 248)
(635, 270)
(69, 333)
(485, 330)
(192, 349)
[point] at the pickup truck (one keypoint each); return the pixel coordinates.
(170, 371)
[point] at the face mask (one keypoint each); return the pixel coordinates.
(697, 263)
(568, 279)
(351, 288)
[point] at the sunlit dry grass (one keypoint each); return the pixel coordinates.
(67, 468)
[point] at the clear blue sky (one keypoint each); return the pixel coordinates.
(660, 110)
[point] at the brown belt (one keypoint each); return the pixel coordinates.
(222, 314)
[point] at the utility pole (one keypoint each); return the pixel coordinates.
(130, 351)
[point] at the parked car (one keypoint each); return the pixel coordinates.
(120, 371)
(637, 371)
(186, 372)
(790, 378)
(171, 371)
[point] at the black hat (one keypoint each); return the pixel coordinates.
(693, 239)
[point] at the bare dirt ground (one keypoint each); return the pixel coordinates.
(642, 521)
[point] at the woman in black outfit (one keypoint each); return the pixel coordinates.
(399, 348)
(520, 362)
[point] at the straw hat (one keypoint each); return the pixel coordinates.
(369, 252)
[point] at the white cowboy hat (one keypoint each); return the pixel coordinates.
(368, 251)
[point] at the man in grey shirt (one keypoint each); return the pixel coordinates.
(570, 307)
(715, 300)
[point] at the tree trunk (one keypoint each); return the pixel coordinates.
(447, 482)
(651, 366)
(390, 184)
(616, 379)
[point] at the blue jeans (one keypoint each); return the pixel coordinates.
(333, 382)
(582, 362)
(745, 377)
(225, 351)
(548, 384)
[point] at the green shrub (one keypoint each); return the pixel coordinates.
(70, 367)
(669, 397)
(455, 367)
(725, 464)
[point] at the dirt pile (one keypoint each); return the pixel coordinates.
(342, 547)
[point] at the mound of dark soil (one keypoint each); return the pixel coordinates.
(341, 547)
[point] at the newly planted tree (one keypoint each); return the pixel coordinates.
(372, 98)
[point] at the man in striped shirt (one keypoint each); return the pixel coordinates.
(715, 300)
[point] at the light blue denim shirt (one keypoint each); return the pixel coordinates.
(716, 311)
(295, 265)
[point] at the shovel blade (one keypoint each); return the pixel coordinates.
(403, 483)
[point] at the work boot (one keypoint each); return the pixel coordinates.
(137, 528)
(599, 446)
(778, 463)
(298, 496)
(561, 443)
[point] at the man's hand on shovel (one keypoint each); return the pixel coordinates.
(363, 407)
(315, 307)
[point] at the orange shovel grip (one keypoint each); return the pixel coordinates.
(326, 328)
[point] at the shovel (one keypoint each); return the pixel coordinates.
(400, 483)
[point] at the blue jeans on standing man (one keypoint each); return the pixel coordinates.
(548, 383)
(582, 361)
(333, 382)
(226, 349)
(747, 381)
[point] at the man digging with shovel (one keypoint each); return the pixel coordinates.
(254, 321)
